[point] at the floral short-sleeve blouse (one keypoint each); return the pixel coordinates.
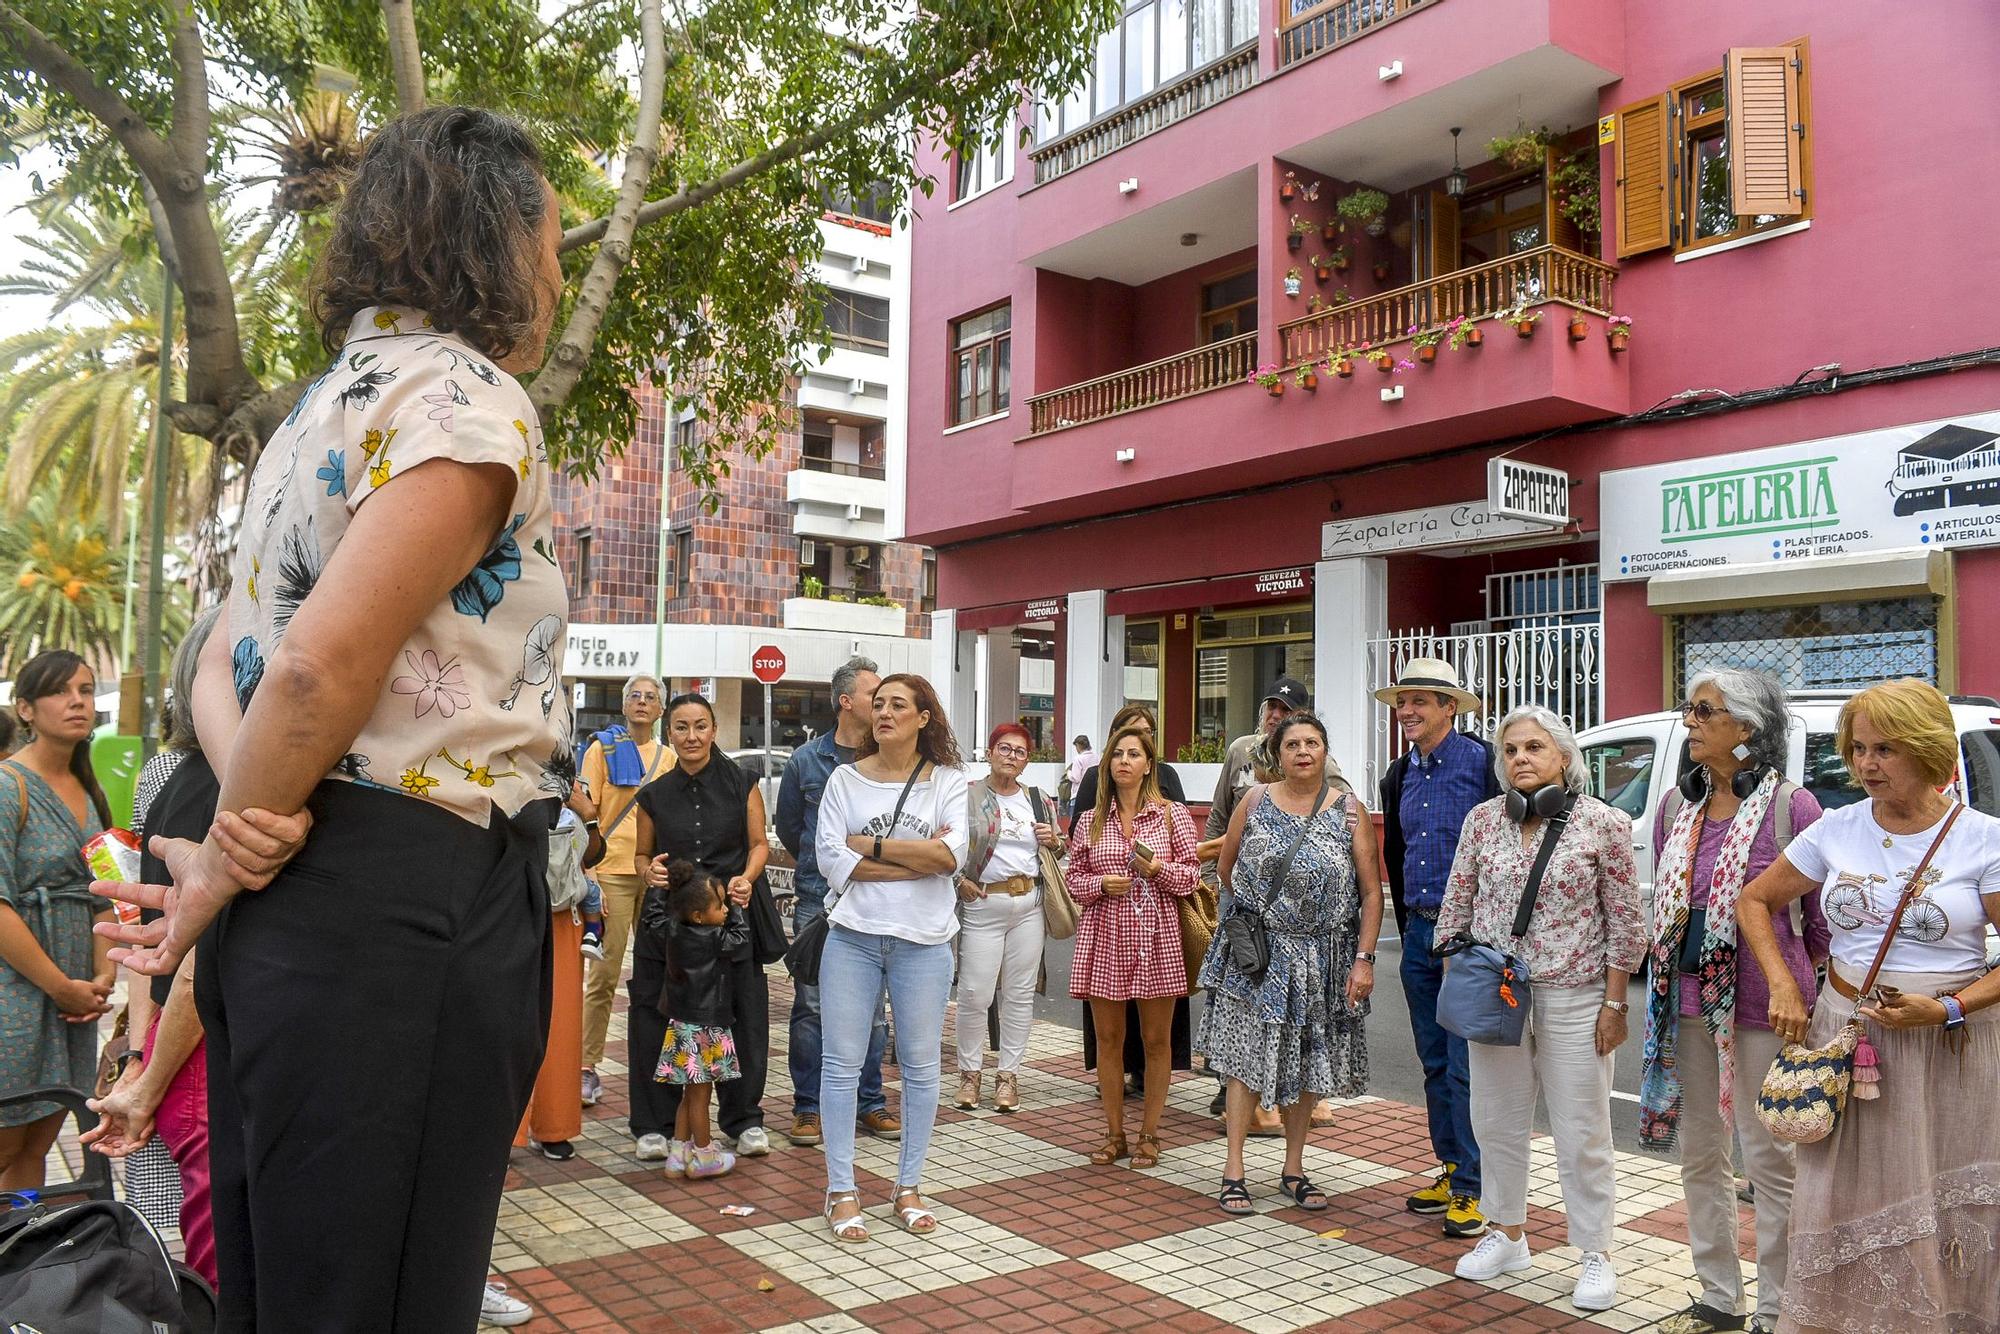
(473, 715)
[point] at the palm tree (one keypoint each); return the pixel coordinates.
(62, 585)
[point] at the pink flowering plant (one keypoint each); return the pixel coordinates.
(1420, 337)
(1618, 324)
(1267, 376)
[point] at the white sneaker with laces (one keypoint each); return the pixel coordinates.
(1493, 1256)
(497, 1308)
(753, 1142)
(650, 1148)
(1596, 1283)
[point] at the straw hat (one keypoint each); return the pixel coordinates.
(1433, 674)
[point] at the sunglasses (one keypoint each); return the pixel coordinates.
(1702, 711)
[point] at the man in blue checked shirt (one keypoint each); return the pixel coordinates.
(1425, 798)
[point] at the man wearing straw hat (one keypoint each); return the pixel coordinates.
(1425, 798)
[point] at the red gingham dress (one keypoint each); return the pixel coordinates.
(1130, 948)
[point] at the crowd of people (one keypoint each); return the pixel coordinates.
(377, 867)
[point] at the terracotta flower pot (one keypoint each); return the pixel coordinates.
(1381, 270)
(1286, 191)
(1385, 364)
(1475, 336)
(1329, 230)
(1277, 390)
(1308, 381)
(1344, 368)
(1294, 241)
(1526, 328)
(1579, 329)
(1618, 339)
(1322, 272)
(1427, 355)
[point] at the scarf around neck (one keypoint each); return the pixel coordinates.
(1673, 889)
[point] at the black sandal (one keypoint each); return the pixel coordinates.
(1302, 1190)
(1235, 1193)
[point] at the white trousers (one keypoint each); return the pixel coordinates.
(1708, 1177)
(1557, 1059)
(999, 953)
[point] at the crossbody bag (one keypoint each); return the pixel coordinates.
(802, 957)
(1245, 937)
(1486, 992)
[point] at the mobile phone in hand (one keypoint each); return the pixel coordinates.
(1141, 852)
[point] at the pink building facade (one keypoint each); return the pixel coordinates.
(1783, 460)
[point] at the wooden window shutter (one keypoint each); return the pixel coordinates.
(1444, 233)
(1766, 123)
(1645, 156)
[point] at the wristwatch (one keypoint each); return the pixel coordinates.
(1365, 956)
(1623, 1007)
(1954, 1013)
(878, 849)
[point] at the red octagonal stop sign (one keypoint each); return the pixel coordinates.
(767, 664)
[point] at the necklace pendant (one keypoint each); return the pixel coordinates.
(1888, 842)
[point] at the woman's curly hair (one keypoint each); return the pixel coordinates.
(443, 215)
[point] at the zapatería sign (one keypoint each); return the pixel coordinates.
(1928, 484)
(1527, 491)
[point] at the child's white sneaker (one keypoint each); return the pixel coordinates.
(710, 1160)
(677, 1157)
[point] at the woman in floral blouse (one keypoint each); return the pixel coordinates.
(390, 661)
(1128, 938)
(1583, 943)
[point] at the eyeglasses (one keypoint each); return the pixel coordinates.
(1701, 710)
(643, 697)
(1011, 752)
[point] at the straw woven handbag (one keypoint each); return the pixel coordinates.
(1807, 1088)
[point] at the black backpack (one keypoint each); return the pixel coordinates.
(94, 1268)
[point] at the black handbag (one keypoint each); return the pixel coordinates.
(1245, 939)
(802, 956)
(767, 928)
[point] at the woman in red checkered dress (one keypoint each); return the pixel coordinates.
(1128, 939)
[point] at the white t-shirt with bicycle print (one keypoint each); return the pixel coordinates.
(1944, 929)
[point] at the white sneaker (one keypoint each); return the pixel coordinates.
(497, 1308)
(650, 1148)
(753, 1143)
(1493, 1256)
(677, 1157)
(1596, 1283)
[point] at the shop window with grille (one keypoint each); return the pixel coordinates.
(1824, 646)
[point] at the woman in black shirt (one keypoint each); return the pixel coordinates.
(707, 811)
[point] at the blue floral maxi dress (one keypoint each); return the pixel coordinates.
(1293, 1032)
(43, 878)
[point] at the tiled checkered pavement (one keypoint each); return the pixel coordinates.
(1034, 1238)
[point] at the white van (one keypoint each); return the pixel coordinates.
(1632, 762)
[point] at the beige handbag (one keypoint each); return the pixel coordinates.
(1058, 908)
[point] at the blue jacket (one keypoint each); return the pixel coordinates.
(798, 814)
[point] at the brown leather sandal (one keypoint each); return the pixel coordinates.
(1114, 1149)
(1148, 1152)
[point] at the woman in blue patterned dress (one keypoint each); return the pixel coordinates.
(55, 978)
(1296, 1033)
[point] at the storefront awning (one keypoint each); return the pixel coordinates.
(1286, 585)
(1903, 572)
(1009, 613)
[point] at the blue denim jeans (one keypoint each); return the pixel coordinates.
(852, 973)
(1447, 1083)
(803, 1052)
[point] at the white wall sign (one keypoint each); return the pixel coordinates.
(1527, 491)
(1043, 611)
(1281, 583)
(1459, 525)
(1931, 484)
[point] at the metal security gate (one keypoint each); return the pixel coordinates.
(1560, 667)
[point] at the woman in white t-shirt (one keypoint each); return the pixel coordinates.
(891, 838)
(1000, 952)
(1894, 1213)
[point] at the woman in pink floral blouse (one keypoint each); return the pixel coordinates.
(1584, 941)
(1129, 858)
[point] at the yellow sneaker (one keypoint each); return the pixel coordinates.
(1434, 1198)
(1462, 1217)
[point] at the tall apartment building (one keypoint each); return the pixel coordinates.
(1766, 465)
(801, 554)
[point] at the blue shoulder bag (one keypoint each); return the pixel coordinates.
(1486, 992)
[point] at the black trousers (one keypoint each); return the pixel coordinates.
(739, 1102)
(375, 1020)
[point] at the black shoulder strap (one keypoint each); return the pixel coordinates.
(1292, 853)
(897, 817)
(1041, 811)
(1550, 837)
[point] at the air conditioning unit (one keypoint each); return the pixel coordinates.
(808, 551)
(858, 557)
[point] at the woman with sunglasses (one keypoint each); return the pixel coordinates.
(1708, 1036)
(1000, 917)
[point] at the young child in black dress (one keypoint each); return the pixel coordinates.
(704, 934)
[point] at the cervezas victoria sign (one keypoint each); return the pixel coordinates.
(1929, 484)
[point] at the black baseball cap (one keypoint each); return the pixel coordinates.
(1289, 692)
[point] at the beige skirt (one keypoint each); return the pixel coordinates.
(1896, 1214)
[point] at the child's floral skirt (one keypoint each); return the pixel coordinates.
(696, 1055)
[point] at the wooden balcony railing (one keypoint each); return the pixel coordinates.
(1331, 23)
(1155, 111)
(1546, 275)
(1215, 366)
